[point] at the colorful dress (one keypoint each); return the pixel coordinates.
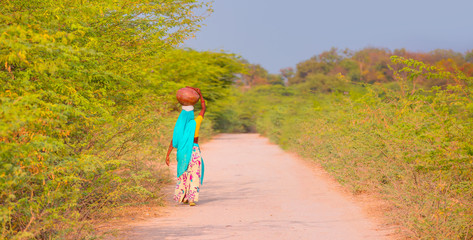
(188, 184)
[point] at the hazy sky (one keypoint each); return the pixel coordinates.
(278, 34)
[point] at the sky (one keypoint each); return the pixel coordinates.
(278, 34)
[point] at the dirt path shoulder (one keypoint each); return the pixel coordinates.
(254, 190)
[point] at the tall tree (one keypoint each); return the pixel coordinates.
(75, 76)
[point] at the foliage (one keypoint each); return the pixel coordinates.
(213, 73)
(413, 145)
(371, 65)
(255, 74)
(86, 93)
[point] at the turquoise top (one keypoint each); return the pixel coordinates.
(183, 141)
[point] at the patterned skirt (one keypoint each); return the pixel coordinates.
(188, 184)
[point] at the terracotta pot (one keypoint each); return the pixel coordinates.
(187, 96)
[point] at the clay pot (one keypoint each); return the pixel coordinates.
(187, 96)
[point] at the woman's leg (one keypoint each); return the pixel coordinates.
(188, 184)
(180, 190)
(193, 177)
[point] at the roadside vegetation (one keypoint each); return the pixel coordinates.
(402, 128)
(87, 107)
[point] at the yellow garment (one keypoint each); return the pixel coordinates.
(198, 121)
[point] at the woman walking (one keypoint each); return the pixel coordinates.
(190, 165)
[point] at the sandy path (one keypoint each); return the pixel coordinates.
(254, 190)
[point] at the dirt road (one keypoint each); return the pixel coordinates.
(254, 190)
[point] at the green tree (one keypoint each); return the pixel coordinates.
(254, 75)
(83, 88)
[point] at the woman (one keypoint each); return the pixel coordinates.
(190, 165)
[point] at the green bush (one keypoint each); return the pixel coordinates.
(412, 145)
(87, 107)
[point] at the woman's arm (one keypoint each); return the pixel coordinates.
(169, 152)
(202, 101)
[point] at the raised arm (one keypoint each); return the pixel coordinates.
(202, 101)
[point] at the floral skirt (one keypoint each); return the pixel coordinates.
(188, 184)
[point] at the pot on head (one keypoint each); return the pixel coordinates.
(187, 96)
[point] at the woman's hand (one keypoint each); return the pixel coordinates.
(198, 91)
(169, 152)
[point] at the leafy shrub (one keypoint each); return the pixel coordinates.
(87, 107)
(412, 145)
